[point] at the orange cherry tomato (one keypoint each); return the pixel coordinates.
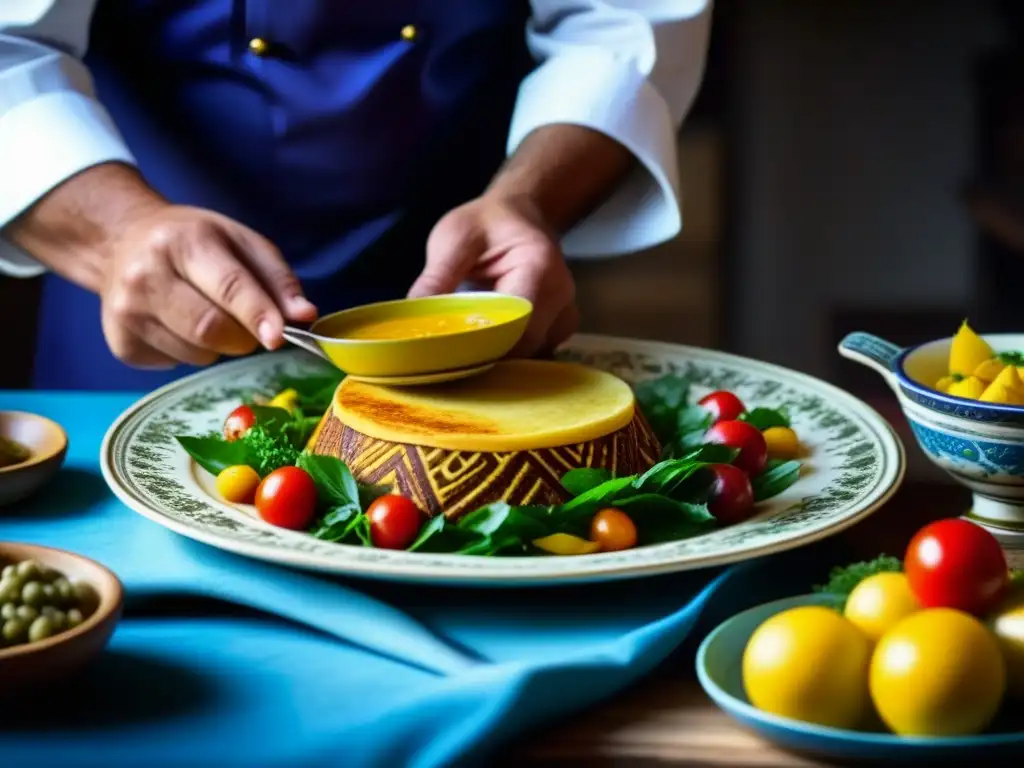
(613, 530)
(238, 484)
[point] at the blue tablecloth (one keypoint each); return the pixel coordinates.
(221, 660)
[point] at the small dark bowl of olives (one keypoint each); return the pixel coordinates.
(57, 611)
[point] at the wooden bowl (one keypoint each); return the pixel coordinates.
(64, 653)
(48, 444)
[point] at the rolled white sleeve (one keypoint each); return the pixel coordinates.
(631, 71)
(51, 125)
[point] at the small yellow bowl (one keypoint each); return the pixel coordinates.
(435, 353)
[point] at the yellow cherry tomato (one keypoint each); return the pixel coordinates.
(989, 370)
(879, 602)
(967, 351)
(972, 388)
(1007, 623)
(565, 544)
(811, 664)
(613, 530)
(782, 443)
(238, 484)
(287, 399)
(939, 672)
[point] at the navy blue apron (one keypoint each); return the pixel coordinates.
(343, 144)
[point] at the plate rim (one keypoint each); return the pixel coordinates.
(743, 711)
(591, 568)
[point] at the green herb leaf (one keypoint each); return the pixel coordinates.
(775, 479)
(842, 579)
(502, 518)
(266, 451)
(660, 518)
(334, 482)
(766, 418)
(272, 419)
(215, 454)
(660, 401)
(338, 524)
(439, 535)
(577, 481)
(315, 391)
(1011, 358)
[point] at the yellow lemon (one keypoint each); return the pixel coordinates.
(879, 602)
(939, 672)
(566, 544)
(1008, 625)
(287, 399)
(972, 388)
(967, 351)
(989, 370)
(782, 443)
(811, 664)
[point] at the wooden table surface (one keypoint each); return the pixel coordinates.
(668, 720)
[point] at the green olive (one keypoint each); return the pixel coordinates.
(48, 610)
(32, 594)
(75, 617)
(27, 613)
(65, 592)
(28, 569)
(10, 591)
(14, 630)
(9, 571)
(60, 621)
(86, 598)
(8, 611)
(41, 629)
(49, 593)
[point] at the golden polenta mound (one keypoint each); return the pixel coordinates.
(510, 433)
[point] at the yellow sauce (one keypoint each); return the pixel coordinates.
(419, 326)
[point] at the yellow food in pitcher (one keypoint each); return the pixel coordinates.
(978, 372)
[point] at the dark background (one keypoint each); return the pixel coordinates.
(848, 165)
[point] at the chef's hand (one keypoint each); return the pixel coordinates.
(177, 284)
(501, 243)
(187, 285)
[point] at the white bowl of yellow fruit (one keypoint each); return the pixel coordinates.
(964, 399)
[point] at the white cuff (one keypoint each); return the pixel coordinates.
(44, 142)
(597, 90)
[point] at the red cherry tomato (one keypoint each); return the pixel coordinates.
(732, 497)
(956, 564)
(287, 498)
(395, 522)
(238, 422)
(747, 438)
(723, 406)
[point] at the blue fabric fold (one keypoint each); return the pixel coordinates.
(222, 660)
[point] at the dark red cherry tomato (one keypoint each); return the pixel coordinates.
(722, 405)
(747, 439)
(956, 564)
(238, 422)
(395, 522)
(287, 498)
(732, 497)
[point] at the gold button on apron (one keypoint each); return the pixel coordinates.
(258, 46)
(409, 32)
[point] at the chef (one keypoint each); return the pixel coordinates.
(192, 176)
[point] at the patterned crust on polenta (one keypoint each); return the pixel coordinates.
(455, 482)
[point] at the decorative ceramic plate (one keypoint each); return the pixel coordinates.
(854, 465)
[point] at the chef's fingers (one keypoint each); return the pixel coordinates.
(453, 248)
(191, 317)
(539, 274)
(209, 262)
(130, 349)
(273, 271)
